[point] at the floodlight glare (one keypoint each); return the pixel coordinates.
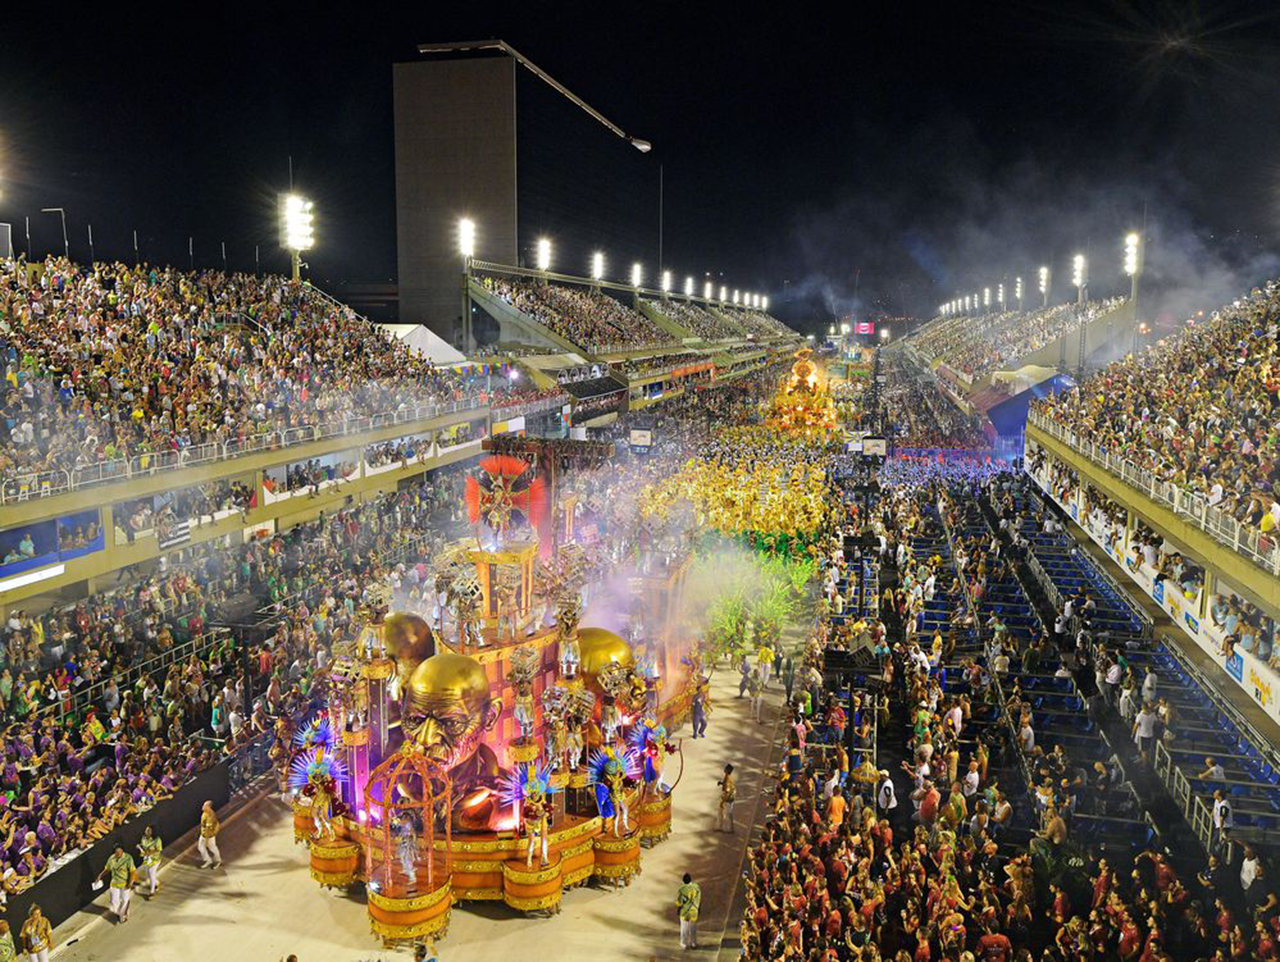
(666, 281)
(986, 297)
(764, 303)
(844, 328)
(688, 286)
(884, 334)
(1017, 288)
(597, 266)
(1044, 280)
(544, 254)
(707, 290)
(724, 293)
(1079, 270)
(1132, 245)
(736, 298)
(467, 237)
(298, 217)
(1000, 294)
(637, 274)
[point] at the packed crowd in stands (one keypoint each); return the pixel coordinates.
(977, 345)
(586, 318)
(116, 361)
(634, 367)
(195, 505)
(759, 324)
(1244, 625)
(1200, 409)
(923, 418)
(703, 322)
(957, 866)
(97, 731)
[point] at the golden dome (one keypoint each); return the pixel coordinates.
(599, 647)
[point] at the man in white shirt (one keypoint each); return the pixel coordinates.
(1221, 811)
(1213, 770)
(886, 797)
(1027, 736)
(1144, 730)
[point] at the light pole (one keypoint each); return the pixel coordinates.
(544, 254)
(61, 212)
(1044, 286)
(1017, 292)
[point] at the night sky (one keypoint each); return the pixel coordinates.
(905, 152)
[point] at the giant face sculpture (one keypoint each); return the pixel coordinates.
(448, 710)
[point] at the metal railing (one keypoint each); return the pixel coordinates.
(43, 484)
(1262, 550)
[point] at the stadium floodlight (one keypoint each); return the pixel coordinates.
(544, 254)
(844, 328)
(736, 297)
(1044, 285)
(688, 286)
(1132, 245)
(1000, 295)
(637, 274)
(724, 294)
(884, 334)
(467, 238)
(666, 282)
(1017, 291)
(707, 290)
(986, 297)
(597, 266)
(1080, 276)
(832, 330)
(764, 303)
(1133, 264)
(297, 228)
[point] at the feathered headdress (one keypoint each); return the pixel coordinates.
(505, 485)
(609, 761)
(316, 762)
(648, 731)
(318, 733)
(525, 782)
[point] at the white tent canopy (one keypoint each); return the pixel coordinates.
(421, 340)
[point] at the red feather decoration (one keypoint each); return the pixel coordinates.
(473, 499)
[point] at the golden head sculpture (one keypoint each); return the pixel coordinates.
(599, 648)
(449, 709)
(410, 641)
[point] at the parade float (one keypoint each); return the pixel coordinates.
(491, 749)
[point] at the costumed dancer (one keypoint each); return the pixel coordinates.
(573, 742)
(150, 847)
(530, 789)
(609, 772)
(649, 742)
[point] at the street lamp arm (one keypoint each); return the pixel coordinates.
(641, 145)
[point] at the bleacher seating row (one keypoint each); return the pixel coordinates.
(1057, 707)
(1202, 729)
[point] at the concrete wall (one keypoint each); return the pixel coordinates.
(455, 152)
